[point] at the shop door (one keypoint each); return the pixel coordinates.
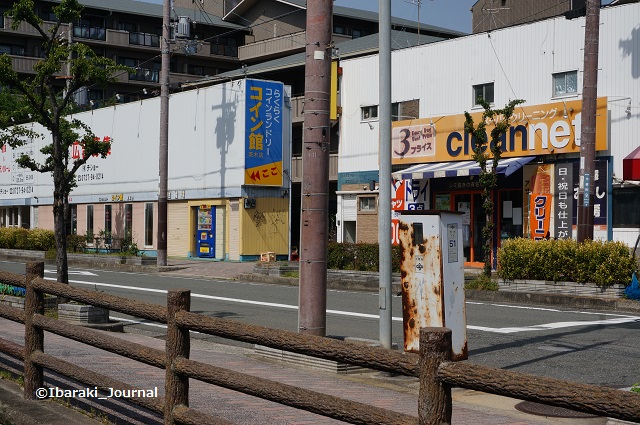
(205, 232)
(473, 221)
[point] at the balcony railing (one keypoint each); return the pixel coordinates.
(92, 33)
(144, 39)
(145, 74)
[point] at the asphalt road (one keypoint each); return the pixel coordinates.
(584, 346)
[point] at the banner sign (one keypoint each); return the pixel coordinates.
(263, 133)
(540, 216)
(534, 130)
(563, 200)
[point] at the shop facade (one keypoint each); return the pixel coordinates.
(538, 175)
(229, 146)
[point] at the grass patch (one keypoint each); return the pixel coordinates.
(482, 283)
(291, 273)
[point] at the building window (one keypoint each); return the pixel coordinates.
(72, 222)
(407, 110)
(148, 224)
(482, 91)
(369, 113)
(90, 224)
(367, 203)
(128, 221)
(627, 210)
(107, 220)
(565, 83)
(339, 29)
(127, 26)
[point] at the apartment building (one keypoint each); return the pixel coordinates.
(129, 32)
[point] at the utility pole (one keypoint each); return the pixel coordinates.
(588, 131)
(163, 152)
(416, 2)
(314, 232)
(384, 185)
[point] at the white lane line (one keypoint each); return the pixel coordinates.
(557, 325)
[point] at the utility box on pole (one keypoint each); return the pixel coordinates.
(432, 277)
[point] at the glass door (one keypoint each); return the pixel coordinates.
(473, 221)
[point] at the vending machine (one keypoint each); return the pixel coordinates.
(205, 232)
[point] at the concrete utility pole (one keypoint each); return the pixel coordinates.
(384, 185)
(312, 298)
(588, 131)
(163, 152)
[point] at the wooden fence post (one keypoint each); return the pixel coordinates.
(434, 400)
(178, 345)
(33, 336)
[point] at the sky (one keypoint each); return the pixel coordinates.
(450, 14)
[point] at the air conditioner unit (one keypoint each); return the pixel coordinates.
(249, 203)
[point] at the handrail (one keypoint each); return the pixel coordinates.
(437, 373)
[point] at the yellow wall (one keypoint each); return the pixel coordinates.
(265, 227)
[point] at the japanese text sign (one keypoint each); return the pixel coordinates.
(263, 133)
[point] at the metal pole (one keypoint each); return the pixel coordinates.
(163, 152)
(314, 232)
(588, 130)
(384, 185)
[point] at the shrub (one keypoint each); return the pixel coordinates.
(603, 263)
(359, 256)
(40, 239)
(76, 243)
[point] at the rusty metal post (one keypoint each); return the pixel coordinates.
(178, 345)
(33, 336)
(314, 214)
(434, 400)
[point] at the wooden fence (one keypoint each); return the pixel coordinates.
(433, 366)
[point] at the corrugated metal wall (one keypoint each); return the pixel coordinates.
(234, 229)
(221, 231)
(265, 227)
(180, 236)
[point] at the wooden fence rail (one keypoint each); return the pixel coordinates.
(433, 366)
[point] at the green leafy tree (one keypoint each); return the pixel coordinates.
(487, 151)
(45, 99)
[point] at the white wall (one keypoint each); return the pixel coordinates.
(206, 150)
(519, 60)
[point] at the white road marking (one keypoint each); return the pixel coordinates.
(71, 272)
(617, 320)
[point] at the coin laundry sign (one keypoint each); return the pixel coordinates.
(263, 133)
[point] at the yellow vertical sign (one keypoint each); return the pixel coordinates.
(333, 99)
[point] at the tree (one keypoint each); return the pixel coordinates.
(499, 119)
(45, 99)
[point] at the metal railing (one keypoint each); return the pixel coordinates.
(432, 366)
(144, 39)
(93, 33)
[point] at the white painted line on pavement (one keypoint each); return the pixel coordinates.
(621, 319)
(557, 325)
